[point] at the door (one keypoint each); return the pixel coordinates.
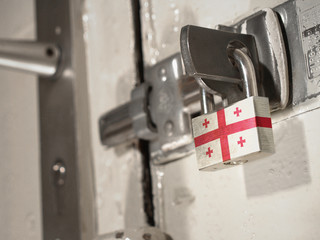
(271, 198)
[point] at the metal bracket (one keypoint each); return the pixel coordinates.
(265, 27)
(174, 139)
(205, 57)
(159, 112)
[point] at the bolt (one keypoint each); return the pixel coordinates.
(168, 127)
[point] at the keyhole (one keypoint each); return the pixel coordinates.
(49, 52)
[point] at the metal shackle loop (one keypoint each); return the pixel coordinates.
(207, 101)
(243, 62)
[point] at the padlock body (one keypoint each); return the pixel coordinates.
(234, 135)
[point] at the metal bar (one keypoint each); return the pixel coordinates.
(67, 196)
(33, 57)
(116, 126)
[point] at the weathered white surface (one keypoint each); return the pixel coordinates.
(111, 76)
(162, 21)
(20, 201)
(272, 198)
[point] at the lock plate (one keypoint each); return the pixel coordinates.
(205, 56)
(205, 53)
(265, 27)
(233, 135)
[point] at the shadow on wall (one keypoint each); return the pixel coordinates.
(287, 168)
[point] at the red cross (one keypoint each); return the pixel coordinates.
(241, 142)
(210, 151)
(205, 124)
(224, 130)
(237, 112)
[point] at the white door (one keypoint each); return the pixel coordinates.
(271, 198)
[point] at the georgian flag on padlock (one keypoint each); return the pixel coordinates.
(233, 135)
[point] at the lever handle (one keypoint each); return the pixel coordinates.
(28, 56)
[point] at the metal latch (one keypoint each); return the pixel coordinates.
(204, 54)
(161, 107)
(159, 111)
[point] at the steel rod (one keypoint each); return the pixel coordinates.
(116, 126)
(28, 56)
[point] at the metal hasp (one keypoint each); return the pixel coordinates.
(161, 107)
(204, 53)
(33, 57)
(301, 35)
(169, 99)
(159, 111)
(265, 27)
(66, 171)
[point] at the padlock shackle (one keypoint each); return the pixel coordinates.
(207, 101)
(247, 72)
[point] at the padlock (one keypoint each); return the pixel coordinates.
(238, 133)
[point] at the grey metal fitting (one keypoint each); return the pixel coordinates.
(142, 123)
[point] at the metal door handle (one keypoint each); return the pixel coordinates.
(34, 57)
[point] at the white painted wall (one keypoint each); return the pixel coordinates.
(20, 200)
(111, 76)
(273, 198)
